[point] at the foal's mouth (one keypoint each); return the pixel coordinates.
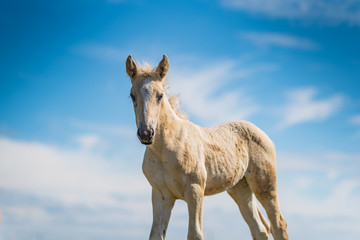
(146, 143)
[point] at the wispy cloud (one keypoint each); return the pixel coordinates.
(332, 165)
(311, 186)
(48, 188)
(98, 193)
(323, 11)
(268, 39)
(68, 176)
(201, 95)
(88, 141)
(303, 107)
(340, 170)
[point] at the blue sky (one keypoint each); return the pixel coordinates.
(70, 160)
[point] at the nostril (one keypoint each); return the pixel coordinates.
(138, 132)
(151, 132)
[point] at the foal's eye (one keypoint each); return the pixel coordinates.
(159, 97)
(132, 97)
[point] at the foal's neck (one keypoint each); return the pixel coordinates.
(169, 127)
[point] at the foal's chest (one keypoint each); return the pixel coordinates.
(164, 176)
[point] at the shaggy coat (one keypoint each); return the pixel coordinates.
(186, 161)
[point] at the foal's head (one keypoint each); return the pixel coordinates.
(147, 92)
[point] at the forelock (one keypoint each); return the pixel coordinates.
(146, 68)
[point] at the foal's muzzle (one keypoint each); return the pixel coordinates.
(145, 135)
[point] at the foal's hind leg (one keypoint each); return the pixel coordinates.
(261, 177)
(244, 198)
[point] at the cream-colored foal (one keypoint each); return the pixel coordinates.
(185, 161)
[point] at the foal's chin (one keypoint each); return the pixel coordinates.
(146, 143)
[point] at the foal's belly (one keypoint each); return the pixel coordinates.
(224, 178)
(225, 169)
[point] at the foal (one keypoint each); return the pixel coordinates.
(185, 161)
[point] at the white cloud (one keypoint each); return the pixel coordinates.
(45, 188)
(333, 173)
(68, 176)
(267, 39)
(330, 164)
(302, 107)
(200, 91)
(342, 201)
(88, 141)
(78, 178)
(323, 11)
(319, 193)
(27, 214)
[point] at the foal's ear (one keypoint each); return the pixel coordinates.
(131, 67)
(163, 67)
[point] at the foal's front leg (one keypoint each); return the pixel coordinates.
(194, 198)
(162, 206)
